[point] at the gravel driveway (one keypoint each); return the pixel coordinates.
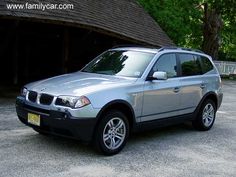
(172, 151)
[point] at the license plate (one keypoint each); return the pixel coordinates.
(34, 119)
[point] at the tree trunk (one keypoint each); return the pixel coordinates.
(211, 31)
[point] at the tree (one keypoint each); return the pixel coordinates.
(211, 31)
(204, 24)
(216, 14)
(179, 18)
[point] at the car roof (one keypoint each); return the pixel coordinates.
(162, 49)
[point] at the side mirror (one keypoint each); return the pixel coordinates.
(159, 75)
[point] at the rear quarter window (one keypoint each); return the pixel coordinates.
(206, 64)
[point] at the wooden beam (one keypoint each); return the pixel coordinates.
(16, 53)
(66, 46)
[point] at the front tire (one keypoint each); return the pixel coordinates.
(112, 133)
(206, 116)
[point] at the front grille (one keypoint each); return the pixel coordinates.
(32, 96)
(46, 99)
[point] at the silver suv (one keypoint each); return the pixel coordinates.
(124, 90)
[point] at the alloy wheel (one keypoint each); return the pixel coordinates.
(114, 133)
(208, 115)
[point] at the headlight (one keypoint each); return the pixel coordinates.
(23, 91)
(72, 102)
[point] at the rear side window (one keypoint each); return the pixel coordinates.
(206, 64)
(190, 65)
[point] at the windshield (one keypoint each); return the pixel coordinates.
(120, 63)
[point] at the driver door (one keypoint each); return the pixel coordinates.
(162, 97)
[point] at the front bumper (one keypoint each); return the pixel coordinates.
(56, 122)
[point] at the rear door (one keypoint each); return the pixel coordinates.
(191, 82)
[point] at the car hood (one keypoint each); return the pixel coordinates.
(78, 84)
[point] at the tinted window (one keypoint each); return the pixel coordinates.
(206, 64)
(166, 63)
(190, 65)
(120, 63)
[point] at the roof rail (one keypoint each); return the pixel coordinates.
(179, 48)
(159, 49)
(132, 45)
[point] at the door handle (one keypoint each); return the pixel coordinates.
(176, 89)
(203, 86)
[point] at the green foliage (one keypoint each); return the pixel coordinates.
(228, 46)
(227, 8)
(177, 18)
(182, 20)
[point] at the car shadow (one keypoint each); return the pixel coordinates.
(161, 132)
(78, 148)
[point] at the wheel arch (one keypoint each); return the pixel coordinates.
(119, 105)
(210, 95)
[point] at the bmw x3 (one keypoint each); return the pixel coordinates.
(124, 90)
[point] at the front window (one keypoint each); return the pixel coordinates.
(166, 63)
(120, 63)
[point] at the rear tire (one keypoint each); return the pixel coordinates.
(111, 133)
(206, 116)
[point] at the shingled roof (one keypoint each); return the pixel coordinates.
(123, 18)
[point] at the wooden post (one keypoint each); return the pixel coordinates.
(16, 53)
(65, 50)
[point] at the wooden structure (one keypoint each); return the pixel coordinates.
(36, 44)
